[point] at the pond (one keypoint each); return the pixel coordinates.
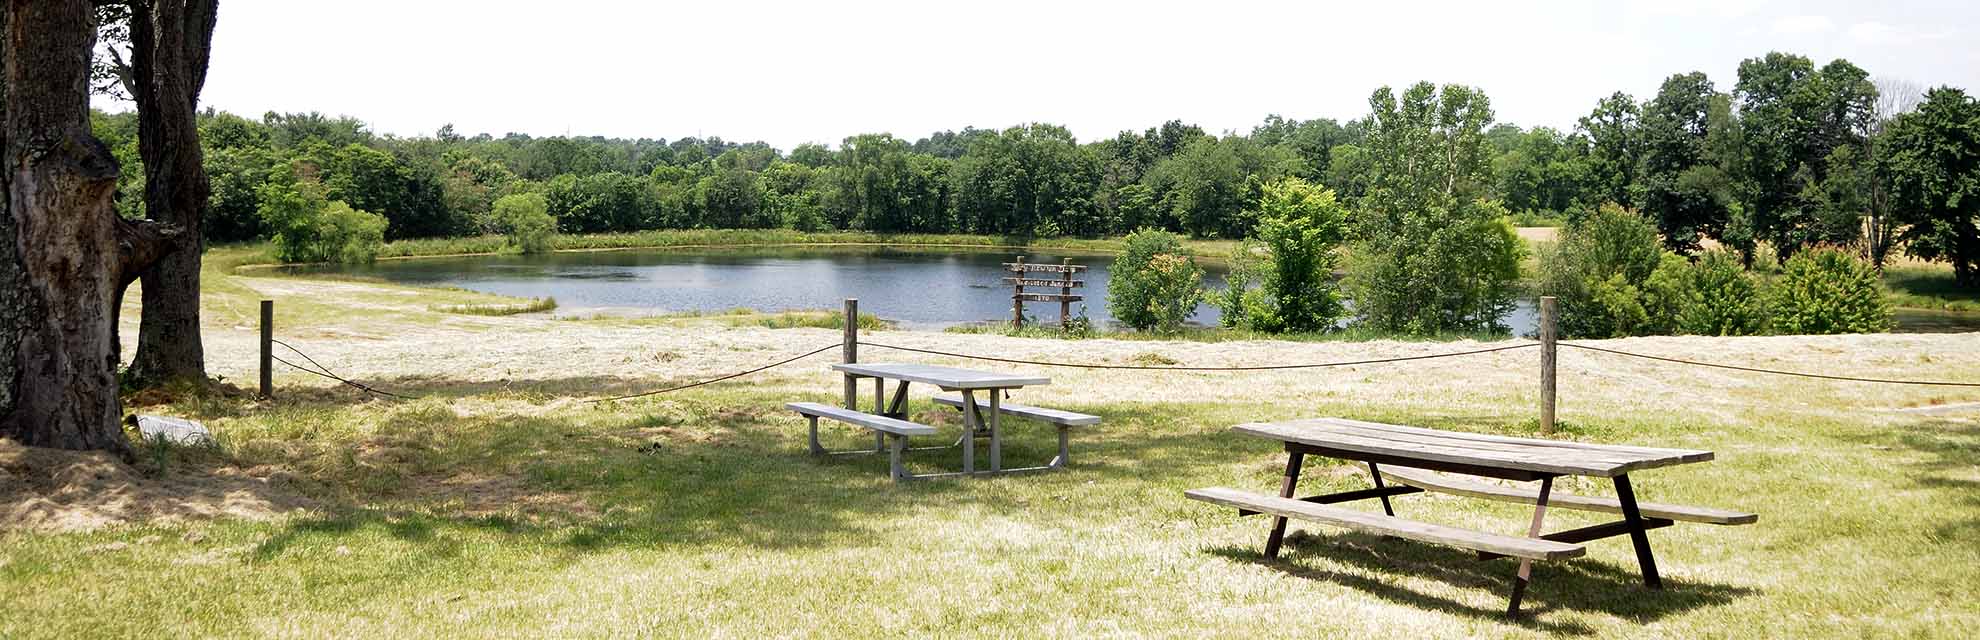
(918, 287)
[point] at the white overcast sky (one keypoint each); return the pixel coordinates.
(793, 72)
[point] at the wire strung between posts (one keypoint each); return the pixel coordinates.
(325, 372)
(1269, 367)
(731, 376)
(1935, 383)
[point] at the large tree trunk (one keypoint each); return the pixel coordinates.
(64, 254)
(170, 40)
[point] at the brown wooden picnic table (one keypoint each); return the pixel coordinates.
(1412, 457)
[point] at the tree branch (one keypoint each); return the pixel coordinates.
(123, 70)
(142, 243)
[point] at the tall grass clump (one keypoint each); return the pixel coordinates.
(533, 305)
(809, 319)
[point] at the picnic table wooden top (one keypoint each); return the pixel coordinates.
(1473, 449)
(944, 377)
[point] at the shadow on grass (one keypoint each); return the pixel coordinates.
(422, 387)
(1953, 453)
(1576, 585)
(727, 468)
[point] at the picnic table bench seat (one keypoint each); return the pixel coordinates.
(1517, 547)
(896, 431)
(1064, 419)
(1042, 414)
(1447, 483)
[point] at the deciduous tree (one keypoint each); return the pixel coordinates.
(1431, 253)
(1931, 160)
(65, 255)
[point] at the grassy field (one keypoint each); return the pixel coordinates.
(502, 503)
(1921, 285)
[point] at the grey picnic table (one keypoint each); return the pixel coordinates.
(967, 381)
(1417, 459)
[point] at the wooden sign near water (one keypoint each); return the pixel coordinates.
(1064, 283)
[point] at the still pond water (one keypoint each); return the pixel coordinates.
(920, 288)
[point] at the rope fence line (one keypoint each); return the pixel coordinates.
(1134, 367)
(1778, 372)
(739, 374)
(325, 372)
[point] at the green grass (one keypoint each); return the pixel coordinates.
(532, 305)
(1929, 286)
(810, 319)
(703, 516)
(746, 317)
(1538, 219)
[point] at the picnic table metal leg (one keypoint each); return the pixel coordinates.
(1638, 533)
(970, 419)
(1272, 542)
(996, 431)
(896, 444)
(816, 449)
(897, 409)
(1526, 565)
(1376, 472)
(1065, 452)
(879, 407)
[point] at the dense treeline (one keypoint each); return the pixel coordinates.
(1793, 156)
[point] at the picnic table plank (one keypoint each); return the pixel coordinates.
(861, 418)
(1526, 454)
(1054, 416)
(1690, 455)
(1348, 442)
(940, 376)
(1488, 446)
(1446, 483)
(1532, 548)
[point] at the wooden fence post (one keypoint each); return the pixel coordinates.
(850, 351)
(267, 348)
(1065, 302)
(1017, 299)
(1548, 318)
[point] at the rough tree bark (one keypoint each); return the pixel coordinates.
(65, 256)
(170, 41)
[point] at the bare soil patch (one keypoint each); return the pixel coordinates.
(51, 490)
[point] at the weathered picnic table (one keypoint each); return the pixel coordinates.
(1422, 453)
(889, 417)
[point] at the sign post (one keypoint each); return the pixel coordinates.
(1054, 276)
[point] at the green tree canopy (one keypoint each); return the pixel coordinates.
(1431, 253)
(1931, 160)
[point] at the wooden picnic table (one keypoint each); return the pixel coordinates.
(1421, 452)
(967, 381)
